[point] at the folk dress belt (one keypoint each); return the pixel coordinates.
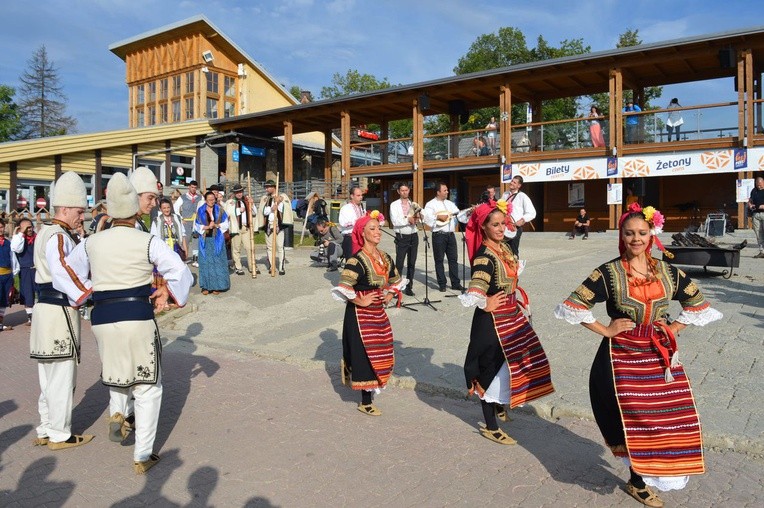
(125, 299)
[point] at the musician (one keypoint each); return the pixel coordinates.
(349, 213)
(522, 211)
(404, 214)
(239, 211)
(55, 336)
(276, 209)
(440, 215)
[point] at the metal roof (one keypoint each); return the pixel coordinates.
(661, 63)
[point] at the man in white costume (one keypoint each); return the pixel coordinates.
(120, 262)
(55, 336)
(349, 214)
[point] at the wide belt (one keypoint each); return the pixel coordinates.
(52, 296)
(123, 299)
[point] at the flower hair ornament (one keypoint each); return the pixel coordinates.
(654, 218)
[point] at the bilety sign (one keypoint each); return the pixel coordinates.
(574, 169)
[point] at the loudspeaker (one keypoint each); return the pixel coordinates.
(457, 107)
(727, 58)
(424, 102)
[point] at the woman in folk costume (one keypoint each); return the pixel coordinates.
(640, 393)
(367, 284)
(168, 226)
(505, 362)
(211, 224)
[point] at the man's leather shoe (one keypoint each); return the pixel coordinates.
(282, 272)
(409, 292)
(458, 287)
(442, 289)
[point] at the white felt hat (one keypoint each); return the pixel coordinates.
(69, 190)
(121, 198)
(143, 180)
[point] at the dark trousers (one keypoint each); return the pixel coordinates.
(514, 243)
(445, 243)
(347, 246)
(406, 246)
(579, 230)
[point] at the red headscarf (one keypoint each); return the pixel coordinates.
(357, 234)
(474, 232)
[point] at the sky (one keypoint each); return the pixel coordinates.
(304, 42)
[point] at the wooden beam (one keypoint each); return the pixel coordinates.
(198, 159)
(288, 153)
(385, 134)
(345, 134)
(14, 191)
(740, 97)
(57, 166)
(327, 156)
(418, 161)
(505, 129)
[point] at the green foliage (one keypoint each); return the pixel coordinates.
(42, 101)
(295, 91)
(10, 118)
(353, 82)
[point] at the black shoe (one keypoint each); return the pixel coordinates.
(458, 287)
(332, 267)
(409, 292)
(442, 289)
(282, 272)
(239, 272)
(586, 237)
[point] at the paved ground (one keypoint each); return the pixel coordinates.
(254, 414)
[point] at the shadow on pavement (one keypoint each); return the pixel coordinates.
(11, 436)
(7, 407)
(200, 485)
(259, 502)
(33, 484)
(154, 481)
(330, 352)
(94, 402)
(177, 372)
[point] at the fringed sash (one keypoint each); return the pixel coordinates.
(529, 373)
(377, 338)
(662, 428)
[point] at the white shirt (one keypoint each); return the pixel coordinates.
(522, 208)
(436, 206)
(349, 213)
(168, 264)
(63, 276)
(400, 219)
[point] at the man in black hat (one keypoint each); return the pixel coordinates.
(239, 210)
(276, 209)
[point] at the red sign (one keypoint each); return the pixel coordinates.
(21, 202)
(41, 202)
(368, 135)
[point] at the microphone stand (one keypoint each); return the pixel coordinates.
(427, 302)
(464, 267)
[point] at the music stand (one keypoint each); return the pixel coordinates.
(427, 302)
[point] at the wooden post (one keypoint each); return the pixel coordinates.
(288, 154)
(616, 135)
(345, 161)
(251, 224)
(417, 175)
(740, 98)
(328, 163)
(505, 131)
(275, 229)
(97, 190)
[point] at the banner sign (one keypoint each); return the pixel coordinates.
(252, 150)
(574, 169)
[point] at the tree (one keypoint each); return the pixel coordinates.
(353, 82)
(295, 91)
(10, 119)
(42, 101)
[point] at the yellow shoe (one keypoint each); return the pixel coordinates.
(497, 436)
(142, 467)
(73, 441)
(369, 409)
(646, 496)
(40, 441)
(115, 428)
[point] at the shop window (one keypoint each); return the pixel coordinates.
(230, 86)
(176, 86)
(163, 88)
(140, 96)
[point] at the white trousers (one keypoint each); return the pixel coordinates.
(148, 402)
(57, 381)
(279, 249)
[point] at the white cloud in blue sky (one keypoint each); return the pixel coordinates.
(304, 42)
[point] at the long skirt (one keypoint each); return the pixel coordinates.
(213, 268)
(642, 417)
(595, 132)
(130, 351)
(367, 346)
(506, 337)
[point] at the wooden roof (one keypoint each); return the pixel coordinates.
(676, 61)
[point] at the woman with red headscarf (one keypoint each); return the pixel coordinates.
(505, 362)
(640, 394)
(367, 284)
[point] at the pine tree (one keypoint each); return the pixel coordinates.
(42, 101)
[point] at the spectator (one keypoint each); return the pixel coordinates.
(330, 239)
(168, 226)
(756, 209)
(491, 129)
(632, 122)
(581, 225)
(595, 129)
(211, 224)
(675, 120)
